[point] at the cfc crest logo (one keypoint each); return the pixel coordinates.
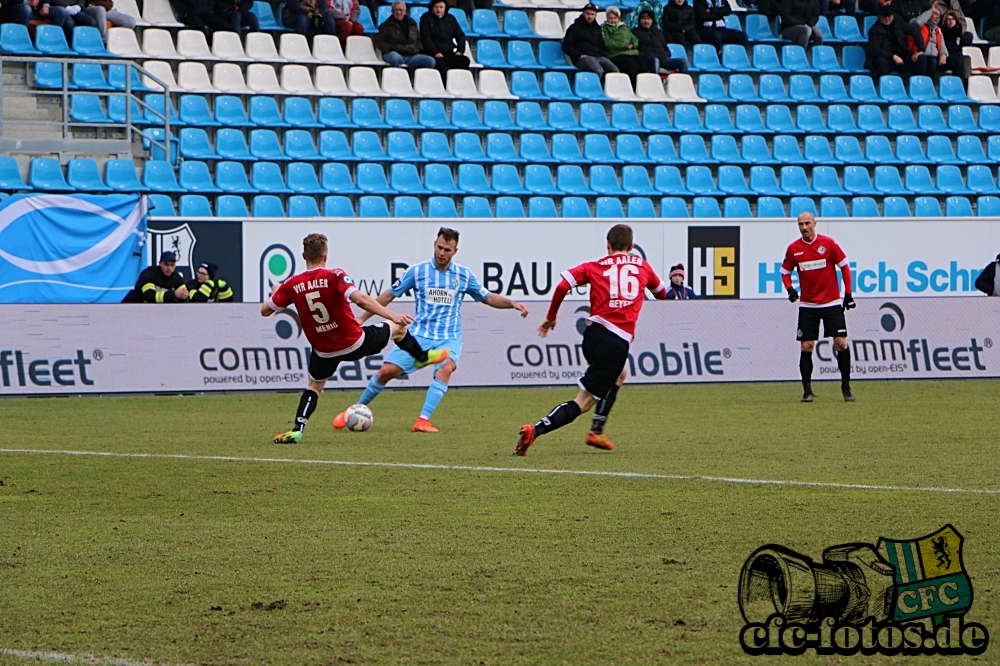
(714, 260)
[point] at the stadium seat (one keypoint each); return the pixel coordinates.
(555, 85)
(741, 89)
(765, 59)
(662, 150)
(667, 180)
(231, 205)
(329, 80)
(302, 179)
(654, 118)
(988, 206)
(770, 207)
(401, 147)
(229, 112)
(900, 120)
(673, 207)
(817, 151)
(227, 77)
(640, 207)
(957, 207)
(870, 119)
(754, 150)
(725, 150)
(909, 150)
(431, 114)
(505, 180)
(266, 177)
(949, 180)
(794, 59)
(801, 89)
(89, 76)
(845, 28)
(704, 58)
(823, 25)
(472, 179)
(469, 148)
(703, 207)
(158, 176)
(951, 89)
(878, 150)
(521, 56)
(194, 111)
(360, 81)
(51, 41)
(699, 181)
(736, 207)
(195, 177)
(772, 89)
(635, 181)
(302, 206)
(918, 180)
(571, 207)
(566, 149)
(534, 148)
(930, 119)
(649, 87)
(717, 119)
(439, 180)
(731, 180)
(982, 90)
(120, 175)
(550, 55)
(264, 112)
(570, 180)
(509, 207)
(694, 151)
(87, 109)
(799, 205)
(687, 119)
(981, 180)
(476, 207)
(231, 144)
(338, 206)
(825, 181)
(858, 181)
(831, 89)
(87, 42)
(231, 177)
(525, 85)
(832, 206)
(840, 119)
(926, 207)
(194, 144)
(864, 207)
(624, 118)
(824, 59)
(373, 206)
(333, 146)
(371, 179)
(940, 151)
(267, 205)
(786, 150)
(407, 206)
(529, 116)
(618, 87)
(764, 181)
(441, 207)
(364, 113)
(83, 175)
(490, 54)
(593, 118)
(809, 119)
(758, 29)
(195, 205)
(750, 121)
(734, 58)
(499, 148)
(264, 145)
(711, 87)
(10, 175)
(496, 116)
(15, 40)
(895, 207)
(608, 207)
(888, 181)
(795, 181)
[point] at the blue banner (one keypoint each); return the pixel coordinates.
(70, 249)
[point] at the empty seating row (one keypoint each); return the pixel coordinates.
(704, 58)
(801, 88)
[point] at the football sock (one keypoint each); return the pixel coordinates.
(307, 405)
(410, 345)
(844, 363)
(603, 409)
(562, 415)
(371, 391)
(434, 394)
(806, 370)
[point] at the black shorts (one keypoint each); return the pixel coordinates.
(834, 323)
(375, 340)
(606, 355)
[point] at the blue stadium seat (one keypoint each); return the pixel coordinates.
(231, 144)
(832, 206)
(624, 118)
(930, 119)
(608, 207)
(268, 205)
(231, 205)
(299, 145)
(593, 118)
(49, 75)
(264, 145)
(786, 150)
(749, 120)
(926, 207)
(469, 148)
(795, 181)
(922, 90)
(87, 42)
(500, 148)
(529, 117)
(888, 181)
(693, 150)
(640, 207)
(476, 207)
(725, 150)
(229, 111)
(981, 180)
(862, 88)
(918, 179)
(988, 206)
(662, 150)
(628, 148)
(116, 110)
(364, 113)
(673, 207)
(801, 89)
(337, 206)
(711, 88)
(525, 85)
(841, 120)
(799, 205)
(764, 181)
(472, 179)
(845, 28)
(89, 76)
(265, 16)
(431, 114)
(336, 177)
(588, 86)
(401, 147)
(892, 89)
(570, 179)
(555, 85)
(516, 24)
(566, 149)
(364, 18)
(809, 119)
(654, 118)
(704, 58)
(87, 109)
(194, 111)
(158, 176)
(854, 58)
(562, 117)
(195, 177)
(51, 41)
(909, 150)
(765, 59)
(755, 151)
(371, 179)
(949, 180)
(575, 207)
(741, 88)
(688, 119)
(153, 109)
(398, 114)
(264, 112)
(116, 78)
(758, 29)
(993, 148)
(732, 22)
(10, 175)
(952, 90)
(496, 116)
(900, 120)
(703, 207)
(817, 151)
(858, 181)
(635, 180)
(83, 175)
(332, 113)
(957, 207)
(485, 24)
(772, 88)
(489, 53)
(266, 177)
(542, 207)
(879, 151)
(404, 178)
(465, 115)
(736, 207)
(510, 207)
(699, 181)
(373, 206)
(194, 144)
(538, 180)
(770, 207)
(441, 207)
(15, 40)
(302, 179)
(667, 180)
(717, 119)
(300, 205)
(825, 180)
(864, 207)
(597, 149)
(960, 119)
(438, 179)
(368, 147)
(824, 59)
(534, 148)
(794, 59)
(521, 56)
(831, 88)
(407, 206)
(434, 147)
(505, 180)
(333, 146)
(120, 176)
(195, 205)
(870, 119)
(551, 57)
(731, 180)
(940, 151)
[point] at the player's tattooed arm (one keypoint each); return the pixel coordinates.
(369, 304)
(503, 303)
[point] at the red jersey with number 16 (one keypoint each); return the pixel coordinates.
(617, 290)
(817, 263)
(320, 297)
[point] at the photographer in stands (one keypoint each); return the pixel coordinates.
(205, 288)
(159, 284)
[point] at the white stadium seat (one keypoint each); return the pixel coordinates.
(981, 89)
(297, 80)
(227, 46)
(618, 87)
(650, 87)
(123, 43)
(994, 60)
(493, 84)
(330, 81)
(193, 77)
(260, 47)
(262, 78)
(970, 27)
(327, 50)
(130, 8)
(159, 13)
(295, 48)
(547, 24)
(680, 88)
(228, 77)
(427, 83)
(568, 19)
(976, 55)
(462, 85)
(192, 45)
(396, 83)
(161, 70)
(157, 43)
(363, 81)
(361, 51)
(468, 54)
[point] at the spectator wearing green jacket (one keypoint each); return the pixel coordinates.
(621, 47)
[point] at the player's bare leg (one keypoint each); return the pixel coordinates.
(563, 414)
(435, 393)
(596, 436)
(307, 405)
(806, 369)
(844, 363)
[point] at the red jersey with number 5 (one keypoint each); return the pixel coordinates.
(617, 290)
(817, 263)
(320, 298)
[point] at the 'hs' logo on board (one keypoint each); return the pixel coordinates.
(713, 258)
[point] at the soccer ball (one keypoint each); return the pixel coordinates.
(358, 418)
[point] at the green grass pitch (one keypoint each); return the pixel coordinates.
(195, 561)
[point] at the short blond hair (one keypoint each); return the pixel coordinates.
(314, 247)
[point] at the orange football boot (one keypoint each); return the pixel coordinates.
(423, 425)
(340, 421)
(599, 441)
(526, 439)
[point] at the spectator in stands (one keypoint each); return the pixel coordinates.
(159, 284)
(936, 55)
(677, 291)
(443, 38)
(910, 9)
(621, 46)
(679, 24)
(584, 44)
(831, 7)
(345, 18)
(238, 13)
(205, 288)
(103, 13)
(68, 14)
(653, 46)
(308, 16)
(711, 17)
(399, 40)
(988, 10)
(199, 15)
(955, 34)
(798, 22)
(18, 11)
(894, 45)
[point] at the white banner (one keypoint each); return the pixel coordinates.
(69, 349)
(724, 258)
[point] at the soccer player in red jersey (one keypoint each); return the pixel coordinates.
(817, 259)
(322, 298)
(617, 289)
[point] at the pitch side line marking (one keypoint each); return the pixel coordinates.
(61, 658)
(518, 470)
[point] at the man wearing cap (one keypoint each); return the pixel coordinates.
(653, 46)
(677, 291)
(205, 288)
(584, 44)
(443, 38)
(159, 284)
(888, 49)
